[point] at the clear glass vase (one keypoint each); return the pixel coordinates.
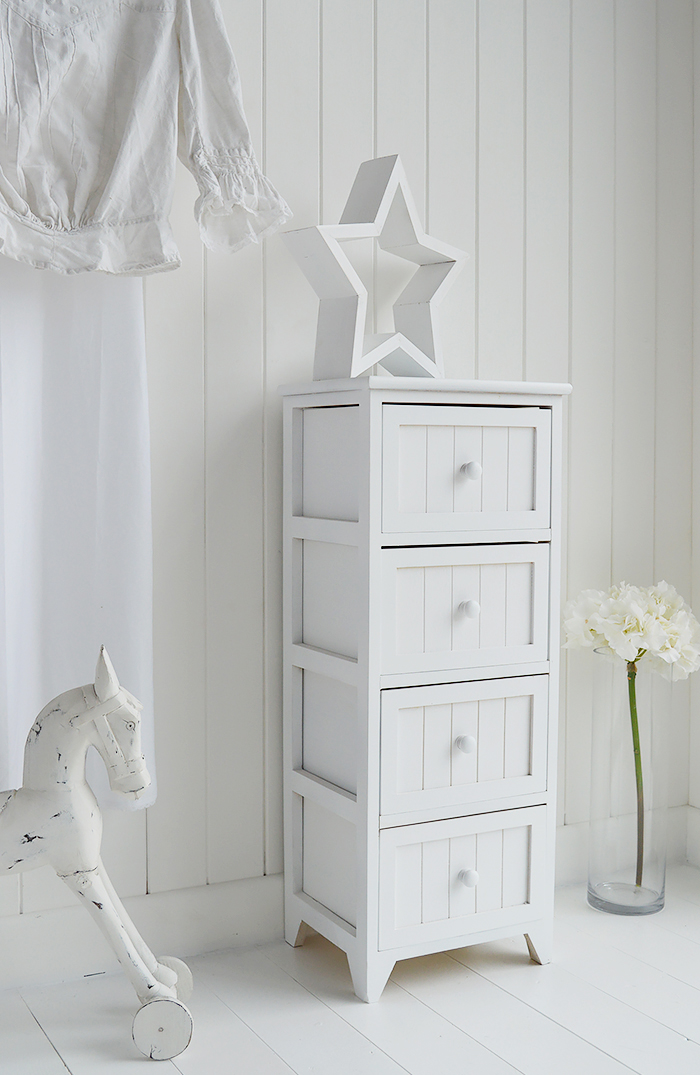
(629, 787)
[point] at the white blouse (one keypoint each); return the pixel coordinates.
(97, 99)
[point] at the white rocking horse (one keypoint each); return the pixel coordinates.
(54, 818)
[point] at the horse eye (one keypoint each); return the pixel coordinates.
(130, 725)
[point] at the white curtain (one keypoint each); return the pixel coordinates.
(75, 508)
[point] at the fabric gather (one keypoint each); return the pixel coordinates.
(132, 88)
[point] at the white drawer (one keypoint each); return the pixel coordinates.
(457, 744)
(464, 607)
(447, 878)
(465, 468)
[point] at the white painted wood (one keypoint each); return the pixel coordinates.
(329, 463)
(487, 1008)
(438, 493)
(418, 604)
(419, 871)
(673, 498)
(54, 819)
(548, 99)
(612, 1026)
(330, 597)
(635, 288)
(416, 854)
(329, 730)
(408, 1031)
(25, 1048)
(290, 1019)
(451, 85)
(380, 205)
(221, 1035)
(176, 384)
(514, 1031)
(329, 861)
(592, 351)
(89, 1024)
(422, 766)
(501, 201)
(292, 155)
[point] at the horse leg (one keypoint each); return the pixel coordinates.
(158, 970)
(90, 886)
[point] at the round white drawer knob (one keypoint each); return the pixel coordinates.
(472, 469)
(471, 609)
(469, 878)
(466, 743)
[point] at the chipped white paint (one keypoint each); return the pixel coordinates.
(54, 819)
(380, 206)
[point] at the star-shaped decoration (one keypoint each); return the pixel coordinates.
(380, 206)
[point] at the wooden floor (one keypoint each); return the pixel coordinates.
(623, 995)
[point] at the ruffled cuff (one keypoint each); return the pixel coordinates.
(237, 204)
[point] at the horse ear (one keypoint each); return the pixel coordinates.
(106, 682)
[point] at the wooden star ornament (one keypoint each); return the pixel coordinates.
(380, 206)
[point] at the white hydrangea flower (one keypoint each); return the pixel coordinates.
(631, 622)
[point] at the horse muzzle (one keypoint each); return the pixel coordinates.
(134, 782)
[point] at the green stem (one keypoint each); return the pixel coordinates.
(632, 691)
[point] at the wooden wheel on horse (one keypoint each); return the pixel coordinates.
(54, 819)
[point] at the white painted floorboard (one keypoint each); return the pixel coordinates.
(622, 995)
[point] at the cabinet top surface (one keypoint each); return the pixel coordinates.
(425, 385)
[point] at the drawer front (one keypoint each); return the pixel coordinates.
(456, 744)
(464, 607)
(465, 468)
(448, 878)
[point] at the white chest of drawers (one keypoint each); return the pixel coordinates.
(421, 582)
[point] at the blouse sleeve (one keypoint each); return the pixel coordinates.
(237, 204)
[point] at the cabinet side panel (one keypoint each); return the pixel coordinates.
(330, 614)
(329, 730)
(329, 875)
(330, 463)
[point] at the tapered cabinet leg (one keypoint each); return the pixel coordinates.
(296, 931)
(370, 977)
(539, 943)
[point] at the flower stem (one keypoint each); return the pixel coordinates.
(632, 692)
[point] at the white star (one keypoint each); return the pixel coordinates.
(380, 206)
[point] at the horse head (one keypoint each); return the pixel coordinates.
(116, 715)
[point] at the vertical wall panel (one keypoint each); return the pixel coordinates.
(694, 752)
(451, 155)
(292, 96)
(552, 141)
(673, 493)
(547, 190)
(347, 117)
(635, 291)
(174, 342)
(401, 101)
(501, 209)
(592, 355)
(234, 518)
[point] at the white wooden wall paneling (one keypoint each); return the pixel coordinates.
(592, 355)
(674, 416)
(635, 291)
(451, 158)
(475, 97)
(347, 118)
(234, 517)
(347, 131)
(400, 109)
(547, 44)
(547, 229)
(174, 340)
(694, 752)
(501, 190)
(292, 96)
